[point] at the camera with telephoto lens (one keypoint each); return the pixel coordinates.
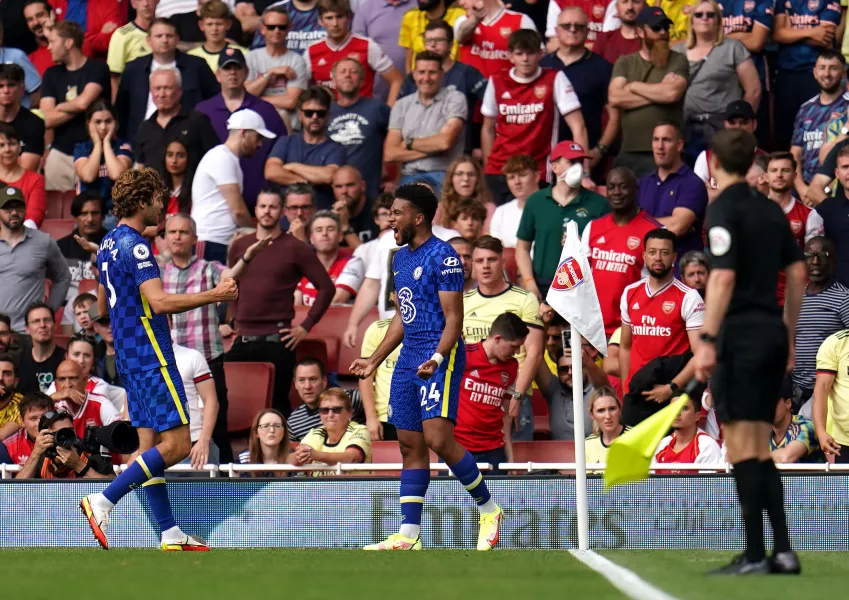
(120, 436)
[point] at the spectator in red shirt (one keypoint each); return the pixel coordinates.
(347, 272)
(483, 422)
(660, 316)
(30, 183)
(615, 244)
(688, 444)
(102, 18)
(20, 443)
(39, 17)
(613, 44)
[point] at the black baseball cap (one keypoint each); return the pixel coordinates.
(652, 16)
(739, 109)
(231, 56)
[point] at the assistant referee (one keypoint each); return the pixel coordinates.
(745, 346)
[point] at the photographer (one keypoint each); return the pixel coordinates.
(51, 461)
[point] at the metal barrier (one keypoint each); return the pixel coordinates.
(234, 470)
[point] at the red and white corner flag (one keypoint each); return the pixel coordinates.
(572, 293)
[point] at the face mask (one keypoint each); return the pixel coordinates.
(572, 176)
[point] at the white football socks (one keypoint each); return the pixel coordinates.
(410, 531)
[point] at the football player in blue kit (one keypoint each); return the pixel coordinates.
(426, 381)
(131, 291)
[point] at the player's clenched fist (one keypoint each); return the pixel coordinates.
(427, 369)
(227, 290)
(362, 368)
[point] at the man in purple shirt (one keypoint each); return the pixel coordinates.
(674, 194)
(232, 74)
(380, 20)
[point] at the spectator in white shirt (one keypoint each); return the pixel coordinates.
(522, 175)
(218, 207)
(203, 405)
(367, 252)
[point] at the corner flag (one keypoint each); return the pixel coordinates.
(572, 293)
(630, 455)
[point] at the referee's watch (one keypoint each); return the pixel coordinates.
(707, 338)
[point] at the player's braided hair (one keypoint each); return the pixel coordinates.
(134, 187)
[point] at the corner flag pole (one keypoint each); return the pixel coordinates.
(580, 451)
(573, 295)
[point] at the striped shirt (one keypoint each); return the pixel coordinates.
(196, 329)
(304, 418)
(820, 316)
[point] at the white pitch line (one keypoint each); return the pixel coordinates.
(627, 582)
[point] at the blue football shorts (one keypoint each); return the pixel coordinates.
(156, 398)
(413, 400)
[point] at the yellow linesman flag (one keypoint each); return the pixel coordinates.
(630, 455)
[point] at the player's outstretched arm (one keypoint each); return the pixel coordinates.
(164, 303)
(364, 367)
(452, 308)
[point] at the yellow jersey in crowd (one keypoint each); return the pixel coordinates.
(127, 43)
(383, 374)
(356, 435)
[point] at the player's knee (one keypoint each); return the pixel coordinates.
(440, 443)
(175, 446)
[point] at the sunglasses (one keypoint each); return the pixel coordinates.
(276, 27)
(326, 410)
(705, 14)
(820, 255)
(572, 26)
(564, 370)
(659, 28)
(309, 113)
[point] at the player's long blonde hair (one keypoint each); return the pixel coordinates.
(254, 447)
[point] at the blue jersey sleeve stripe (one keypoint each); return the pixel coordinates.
(446, 390)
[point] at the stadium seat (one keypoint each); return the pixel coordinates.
(333, 325)
(58, 228)
(602, 189)
(346, 252)
(388, 452)
(249, 390)
(54, 206)
(61, 340)
(509, 257)
(542, 426)
(88, 285)
(547, 451)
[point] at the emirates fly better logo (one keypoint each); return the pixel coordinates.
(568, 275)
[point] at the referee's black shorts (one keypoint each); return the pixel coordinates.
(751, 360)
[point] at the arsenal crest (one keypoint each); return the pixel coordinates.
(633, 242)
(796, 226)
(668, 306)
(568, 275)
(540, 90)
(505, 32)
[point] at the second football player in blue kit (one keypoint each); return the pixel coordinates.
(428, 279)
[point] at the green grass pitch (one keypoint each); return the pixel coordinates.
(124, 574)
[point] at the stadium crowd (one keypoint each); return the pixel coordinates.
(281, 129)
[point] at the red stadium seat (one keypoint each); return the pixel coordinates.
(58, 228)
(62, 340)
(346, 252)
(333, 325)
(509, 257)
(542, 426)
(548, 451)
(88, 285)
(55, 205)
(250, 386)
(602, 189)
(48, 285)
(385, 452)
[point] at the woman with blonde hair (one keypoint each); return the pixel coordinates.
(605, 412)
(463, 181)
(721, 72)
(268, 443)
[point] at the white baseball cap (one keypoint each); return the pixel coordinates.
(250, 120)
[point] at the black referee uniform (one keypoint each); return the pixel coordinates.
(749, 234)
